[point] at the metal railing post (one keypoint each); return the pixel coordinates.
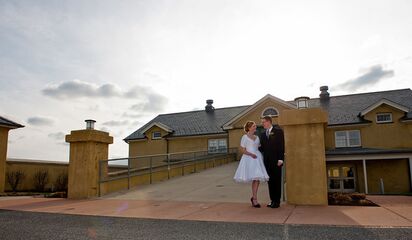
(214, 161)
(150, 170)
(168, 165)
(194, 161)
(100, 177)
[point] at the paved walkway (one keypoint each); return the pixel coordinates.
(212, 196)
(30, 225)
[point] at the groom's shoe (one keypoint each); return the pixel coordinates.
(273, 205)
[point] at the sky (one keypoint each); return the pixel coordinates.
(124, 62)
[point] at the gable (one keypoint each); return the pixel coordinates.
(396, 113)
(159, 125)
(255, 111)
(384, 102)
(155, 128)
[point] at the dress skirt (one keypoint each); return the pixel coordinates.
(250, 169)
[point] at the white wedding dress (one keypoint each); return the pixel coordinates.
(249, 168)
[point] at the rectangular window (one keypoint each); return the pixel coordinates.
(341, 179)
(384, 118)
(156, 135)
(349, 138)
(217, 145)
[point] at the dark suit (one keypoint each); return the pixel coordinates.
(273, 149)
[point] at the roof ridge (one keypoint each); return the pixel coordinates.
(365, 93)
(199, 110)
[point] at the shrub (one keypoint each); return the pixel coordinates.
(14, 178)
(41, 177)
(358, 196)
(61, 182)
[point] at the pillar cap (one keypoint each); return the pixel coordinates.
(89, 135)
(303, 116)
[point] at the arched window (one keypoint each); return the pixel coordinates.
(270, 111)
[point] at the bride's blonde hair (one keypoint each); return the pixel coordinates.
(248, 125)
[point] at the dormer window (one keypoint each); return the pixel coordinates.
(383, 117)
(156, 135)
(270, 111)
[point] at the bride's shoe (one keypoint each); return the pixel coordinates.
(257, 205)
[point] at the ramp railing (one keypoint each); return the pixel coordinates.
(159, 166)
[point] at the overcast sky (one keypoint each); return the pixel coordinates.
(123, 62)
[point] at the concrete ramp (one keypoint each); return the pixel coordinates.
(211, 185)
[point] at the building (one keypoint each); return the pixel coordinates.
(5, 126)
(368, 138)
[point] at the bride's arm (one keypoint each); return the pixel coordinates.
(244, 151)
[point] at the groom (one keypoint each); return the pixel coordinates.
(273, 149)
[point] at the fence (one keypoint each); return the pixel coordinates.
(121, 173)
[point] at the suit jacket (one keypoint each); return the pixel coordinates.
(273, 148)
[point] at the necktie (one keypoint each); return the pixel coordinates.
(267, 133)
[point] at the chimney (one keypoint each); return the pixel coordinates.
(90, 124)
(209, 107)
(324, 94)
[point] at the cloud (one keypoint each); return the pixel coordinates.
(40, 121)
(78, 89)
(104, 129)
(136, 123)
(148, 100)
(57, 135)
(372, 75)
(153, 103)
(116, 123)
(129, 115)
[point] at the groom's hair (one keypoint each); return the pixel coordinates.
(267, 118)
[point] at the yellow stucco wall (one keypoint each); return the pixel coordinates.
(234, 139)
(87, 147)
(151, 146)
(305, 156)
(191, 144)
(374, 135)
(4, 133)
(30, 169)
(148, 146)
(395, 175)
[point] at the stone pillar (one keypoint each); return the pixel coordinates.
(305, 156)
(4, 135)
(87, 147)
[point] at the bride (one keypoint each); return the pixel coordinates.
(251, 167)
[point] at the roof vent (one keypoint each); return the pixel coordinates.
(324, 94)
(209, 107)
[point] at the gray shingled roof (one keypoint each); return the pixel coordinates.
(193, 123)
(9, 123)
(343, 109)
